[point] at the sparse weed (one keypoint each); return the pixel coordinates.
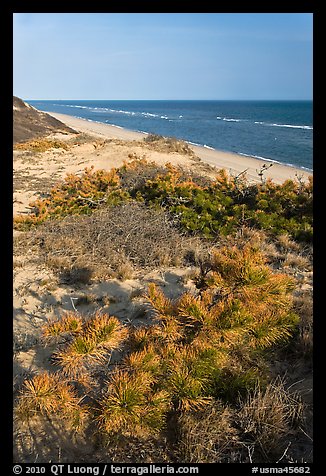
(168, 144)
(41, 145)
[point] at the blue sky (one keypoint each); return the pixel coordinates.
(162, 55)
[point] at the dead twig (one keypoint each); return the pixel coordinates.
(285, 451)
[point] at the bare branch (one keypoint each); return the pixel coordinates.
(285, 451)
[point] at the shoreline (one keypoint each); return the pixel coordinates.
(232, 162)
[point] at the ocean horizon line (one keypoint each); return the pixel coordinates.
(153, 99)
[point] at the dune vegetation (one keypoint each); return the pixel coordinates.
(203, 366)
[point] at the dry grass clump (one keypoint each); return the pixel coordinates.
(168, 144)
(292, 255)
(137, 171)
(265, 422)
(256, 238)
(112, 242)
(297, 261)
(270, 415)
(41, 145)
(303, 342)
(80, 273)
(80, 138)
(286, 243)
(208, 436)
(138, 450)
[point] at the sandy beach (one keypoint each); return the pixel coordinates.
(234, 163)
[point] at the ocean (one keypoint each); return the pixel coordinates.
(277, 131)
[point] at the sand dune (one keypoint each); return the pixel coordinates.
(29, 123)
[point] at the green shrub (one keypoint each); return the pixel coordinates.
(75, 195)
(209, 209)
(225, 204)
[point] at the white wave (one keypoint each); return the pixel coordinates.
(149, 114)
(275, 161)
(121, 111)
(113, 125)
(106, 109)
(116, 111)
(71, 105)
(292, 126)
(193, 143)
(180, 116)
(143, 132)
(102, 109)
(230, 119)
(208, 147)
(89, 120)
(297, 166)
(305, 168)
(259, 157)
(199, 145)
